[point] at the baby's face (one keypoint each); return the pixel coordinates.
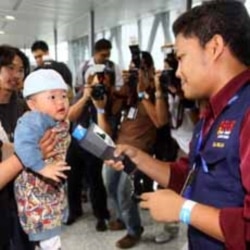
(53, 102)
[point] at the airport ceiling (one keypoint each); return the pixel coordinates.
(37, 19)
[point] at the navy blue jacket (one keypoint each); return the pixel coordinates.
(220, 186)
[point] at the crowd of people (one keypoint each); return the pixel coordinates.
(184, 127)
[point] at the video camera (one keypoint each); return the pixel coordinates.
(168, 77)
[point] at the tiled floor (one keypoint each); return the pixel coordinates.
(83, 236)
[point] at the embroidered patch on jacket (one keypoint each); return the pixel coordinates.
(218, 144)
(225, 129)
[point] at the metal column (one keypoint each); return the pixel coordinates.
(55, 42)
(189, 4)
(91, 32)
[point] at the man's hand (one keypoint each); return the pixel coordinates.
(47, 144)
(127, 150)
(55, 171)
(164, 205)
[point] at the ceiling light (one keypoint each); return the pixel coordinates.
(2, 32)
(10, 17)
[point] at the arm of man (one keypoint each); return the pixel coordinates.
(161, 102)
(81, 99)
(158, 111)
(160, 172)
(12, 166)
(9, 169)
(102, 120)
(204, 218)
(76, 108)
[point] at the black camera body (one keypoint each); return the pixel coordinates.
(168, 79)
(135, 55)
(136, 60)
(98, 91)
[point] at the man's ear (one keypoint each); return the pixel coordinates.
(31, 104)
(216, 46)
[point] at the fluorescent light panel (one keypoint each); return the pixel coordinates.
(8, 17)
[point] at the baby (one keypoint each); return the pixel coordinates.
(40, 199)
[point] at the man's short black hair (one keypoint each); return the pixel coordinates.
(229, 19)
(40, 45)
(7, 55)
(17, 52)
(102, 44)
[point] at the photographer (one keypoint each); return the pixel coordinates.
(93, 103)
(102, 50)
(141, 115)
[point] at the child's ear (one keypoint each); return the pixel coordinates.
(31, 104)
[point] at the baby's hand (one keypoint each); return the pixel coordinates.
(55, 171)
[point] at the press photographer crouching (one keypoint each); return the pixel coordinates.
(93, 103)
(141, 115)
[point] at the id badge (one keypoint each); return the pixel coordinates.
(132, 113)
(187, 187)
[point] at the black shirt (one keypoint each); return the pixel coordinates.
(9, 113)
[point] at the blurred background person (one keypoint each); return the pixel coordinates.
(140, 117)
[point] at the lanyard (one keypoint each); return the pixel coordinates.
(199, 160)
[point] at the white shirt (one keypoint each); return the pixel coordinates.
(90, 63)
(183, 134)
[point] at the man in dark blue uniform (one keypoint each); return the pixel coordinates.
(213, 50)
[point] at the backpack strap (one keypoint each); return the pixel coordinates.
(80, 80)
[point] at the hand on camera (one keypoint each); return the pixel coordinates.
(157, 80)
(142, 81)
(92, 79)
(125, 76)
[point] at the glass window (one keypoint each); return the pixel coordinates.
(129, 32)
(157, 53)
(146, 26)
